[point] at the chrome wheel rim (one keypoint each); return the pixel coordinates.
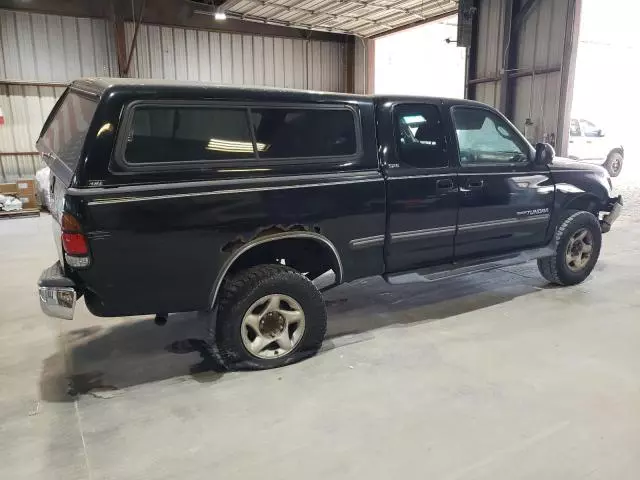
(272, 326)
(579, 250)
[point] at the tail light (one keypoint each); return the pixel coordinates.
(74, 242)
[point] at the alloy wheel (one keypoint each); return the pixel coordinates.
(273, 326)
(579, 250)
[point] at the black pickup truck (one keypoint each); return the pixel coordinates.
(245, 203)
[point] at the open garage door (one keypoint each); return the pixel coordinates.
(423, 60)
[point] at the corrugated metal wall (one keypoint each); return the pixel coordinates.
(43, 48)
(51, 48)
(25, 108)
(540, 80)
(540, 46)
(361, 65)
(489, 50)
(238, 59)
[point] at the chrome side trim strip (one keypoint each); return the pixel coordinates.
(442, 231)
(488, 174)
(229, 182)
(426, 233)
(270, 238)
(469, 227)
(366, 242)
(229, 191)
(434, 175)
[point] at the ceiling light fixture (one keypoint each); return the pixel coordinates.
(219, 15)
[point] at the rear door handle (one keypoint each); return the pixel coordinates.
(475, 183)
(444, 184)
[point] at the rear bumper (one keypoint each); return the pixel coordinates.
(58, 294)
(614, 208)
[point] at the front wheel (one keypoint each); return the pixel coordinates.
(268, 316)
(614, 163)
(578, 241)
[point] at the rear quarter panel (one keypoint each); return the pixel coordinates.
(162, 252)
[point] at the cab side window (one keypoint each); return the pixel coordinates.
(485, 138)
(589, 129)
(420, 136)
(574, 129)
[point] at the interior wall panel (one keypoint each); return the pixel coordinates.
(539, 82)
(236, 59)
(52, 48)
(25, 109)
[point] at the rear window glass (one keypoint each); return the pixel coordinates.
(65, 133)
(300, 133)
(188, 134)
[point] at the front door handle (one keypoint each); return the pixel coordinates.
(475, 183)
(444, 184)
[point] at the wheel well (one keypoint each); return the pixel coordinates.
(306, 255)
(586, 203)
(616, 150)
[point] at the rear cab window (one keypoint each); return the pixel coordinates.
(158, 135)
(63, 136)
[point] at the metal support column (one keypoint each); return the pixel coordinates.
(567, 75)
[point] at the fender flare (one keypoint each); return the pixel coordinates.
(271, 238)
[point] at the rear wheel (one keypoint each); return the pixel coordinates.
(578, 241)
(268, 316)
(614, 163)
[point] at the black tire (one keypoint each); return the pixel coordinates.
(239, 294)
(556, 269)
(614, 163)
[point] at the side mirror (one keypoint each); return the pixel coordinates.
(544, 154)
(601, 133)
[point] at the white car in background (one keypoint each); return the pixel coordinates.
(588, 143)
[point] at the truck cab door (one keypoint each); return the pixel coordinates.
(422, 185)
(505, 199)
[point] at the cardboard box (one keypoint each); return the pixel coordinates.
(8, 189)
(26, 186)
(25, 190)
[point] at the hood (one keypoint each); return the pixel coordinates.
(561, 163)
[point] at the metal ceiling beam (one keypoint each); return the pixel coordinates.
(308, 14)
(174, 13)
(433, 18)
(279, 23)
(414, 11)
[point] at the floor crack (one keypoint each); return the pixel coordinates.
(84, 443)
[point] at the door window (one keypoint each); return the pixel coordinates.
(485, 138)
(574, 129)
(420, 136)
(589, 129)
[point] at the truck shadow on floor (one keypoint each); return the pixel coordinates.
(102, 360)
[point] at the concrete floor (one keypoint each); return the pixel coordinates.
(493, 376)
